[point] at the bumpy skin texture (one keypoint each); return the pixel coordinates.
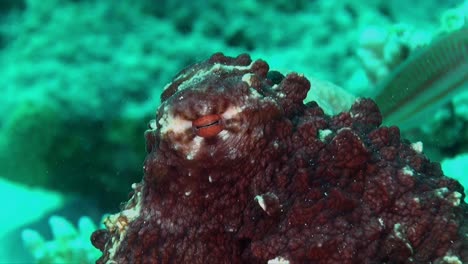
(239, 170)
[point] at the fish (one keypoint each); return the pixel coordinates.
(429, 78)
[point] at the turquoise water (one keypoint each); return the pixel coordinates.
(81, 80)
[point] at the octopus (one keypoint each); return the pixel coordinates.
(240, 170)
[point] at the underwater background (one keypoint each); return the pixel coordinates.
(82, 79)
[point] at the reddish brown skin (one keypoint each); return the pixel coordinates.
(344, 198)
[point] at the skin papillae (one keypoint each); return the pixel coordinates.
(239, 170)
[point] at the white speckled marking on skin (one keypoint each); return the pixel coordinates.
(255, 93)
(450, 259)
(193, 147)
(407, 170)
(261, 202)
(198, 77)
(417, 146)
(247, 78)
(224, 135)
(201, 75)
(176, 124)
(381, 222)
(152, 124)
(278, 260)
(233, 153)
(231, 111)
(397, 230)
(112, 221)
(323, 133)
(454, 198)
(441, 192)
(202, 109)
(276, 88)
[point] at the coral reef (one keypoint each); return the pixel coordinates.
(239, 170)
(69, 244)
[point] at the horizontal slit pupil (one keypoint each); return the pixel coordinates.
(210, 124)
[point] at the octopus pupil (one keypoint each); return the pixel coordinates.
(207, 125)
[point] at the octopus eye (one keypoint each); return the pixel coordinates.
(208, 125)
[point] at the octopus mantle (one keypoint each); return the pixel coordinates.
(240, 170)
